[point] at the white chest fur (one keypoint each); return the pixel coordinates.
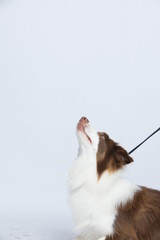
(94, 201)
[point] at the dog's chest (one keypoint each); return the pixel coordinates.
(93, 208)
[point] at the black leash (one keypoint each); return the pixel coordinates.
(144, 141)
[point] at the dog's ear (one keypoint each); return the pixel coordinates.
(122, 157)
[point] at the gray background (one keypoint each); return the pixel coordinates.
(60, 60)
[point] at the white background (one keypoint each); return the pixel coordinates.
(59, 60)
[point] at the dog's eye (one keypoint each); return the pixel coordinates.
(102, 137)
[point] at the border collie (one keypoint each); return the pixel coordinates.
(105, 205)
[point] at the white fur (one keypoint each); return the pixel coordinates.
(94, 202)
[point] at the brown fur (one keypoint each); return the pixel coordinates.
(110, 155)
(139, 219)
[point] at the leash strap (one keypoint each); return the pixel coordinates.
(144, 141)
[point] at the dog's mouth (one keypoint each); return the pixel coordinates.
(81, 127)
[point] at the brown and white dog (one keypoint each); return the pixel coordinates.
(106, 206)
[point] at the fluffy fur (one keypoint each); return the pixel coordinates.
(105, 205)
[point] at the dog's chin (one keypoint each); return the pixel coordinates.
(88, 140)
(84, 139)
(83, 133)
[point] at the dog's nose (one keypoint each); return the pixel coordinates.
(84, 120)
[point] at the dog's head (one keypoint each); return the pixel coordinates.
(109, 155)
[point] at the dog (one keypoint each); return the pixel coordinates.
(105, 205)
